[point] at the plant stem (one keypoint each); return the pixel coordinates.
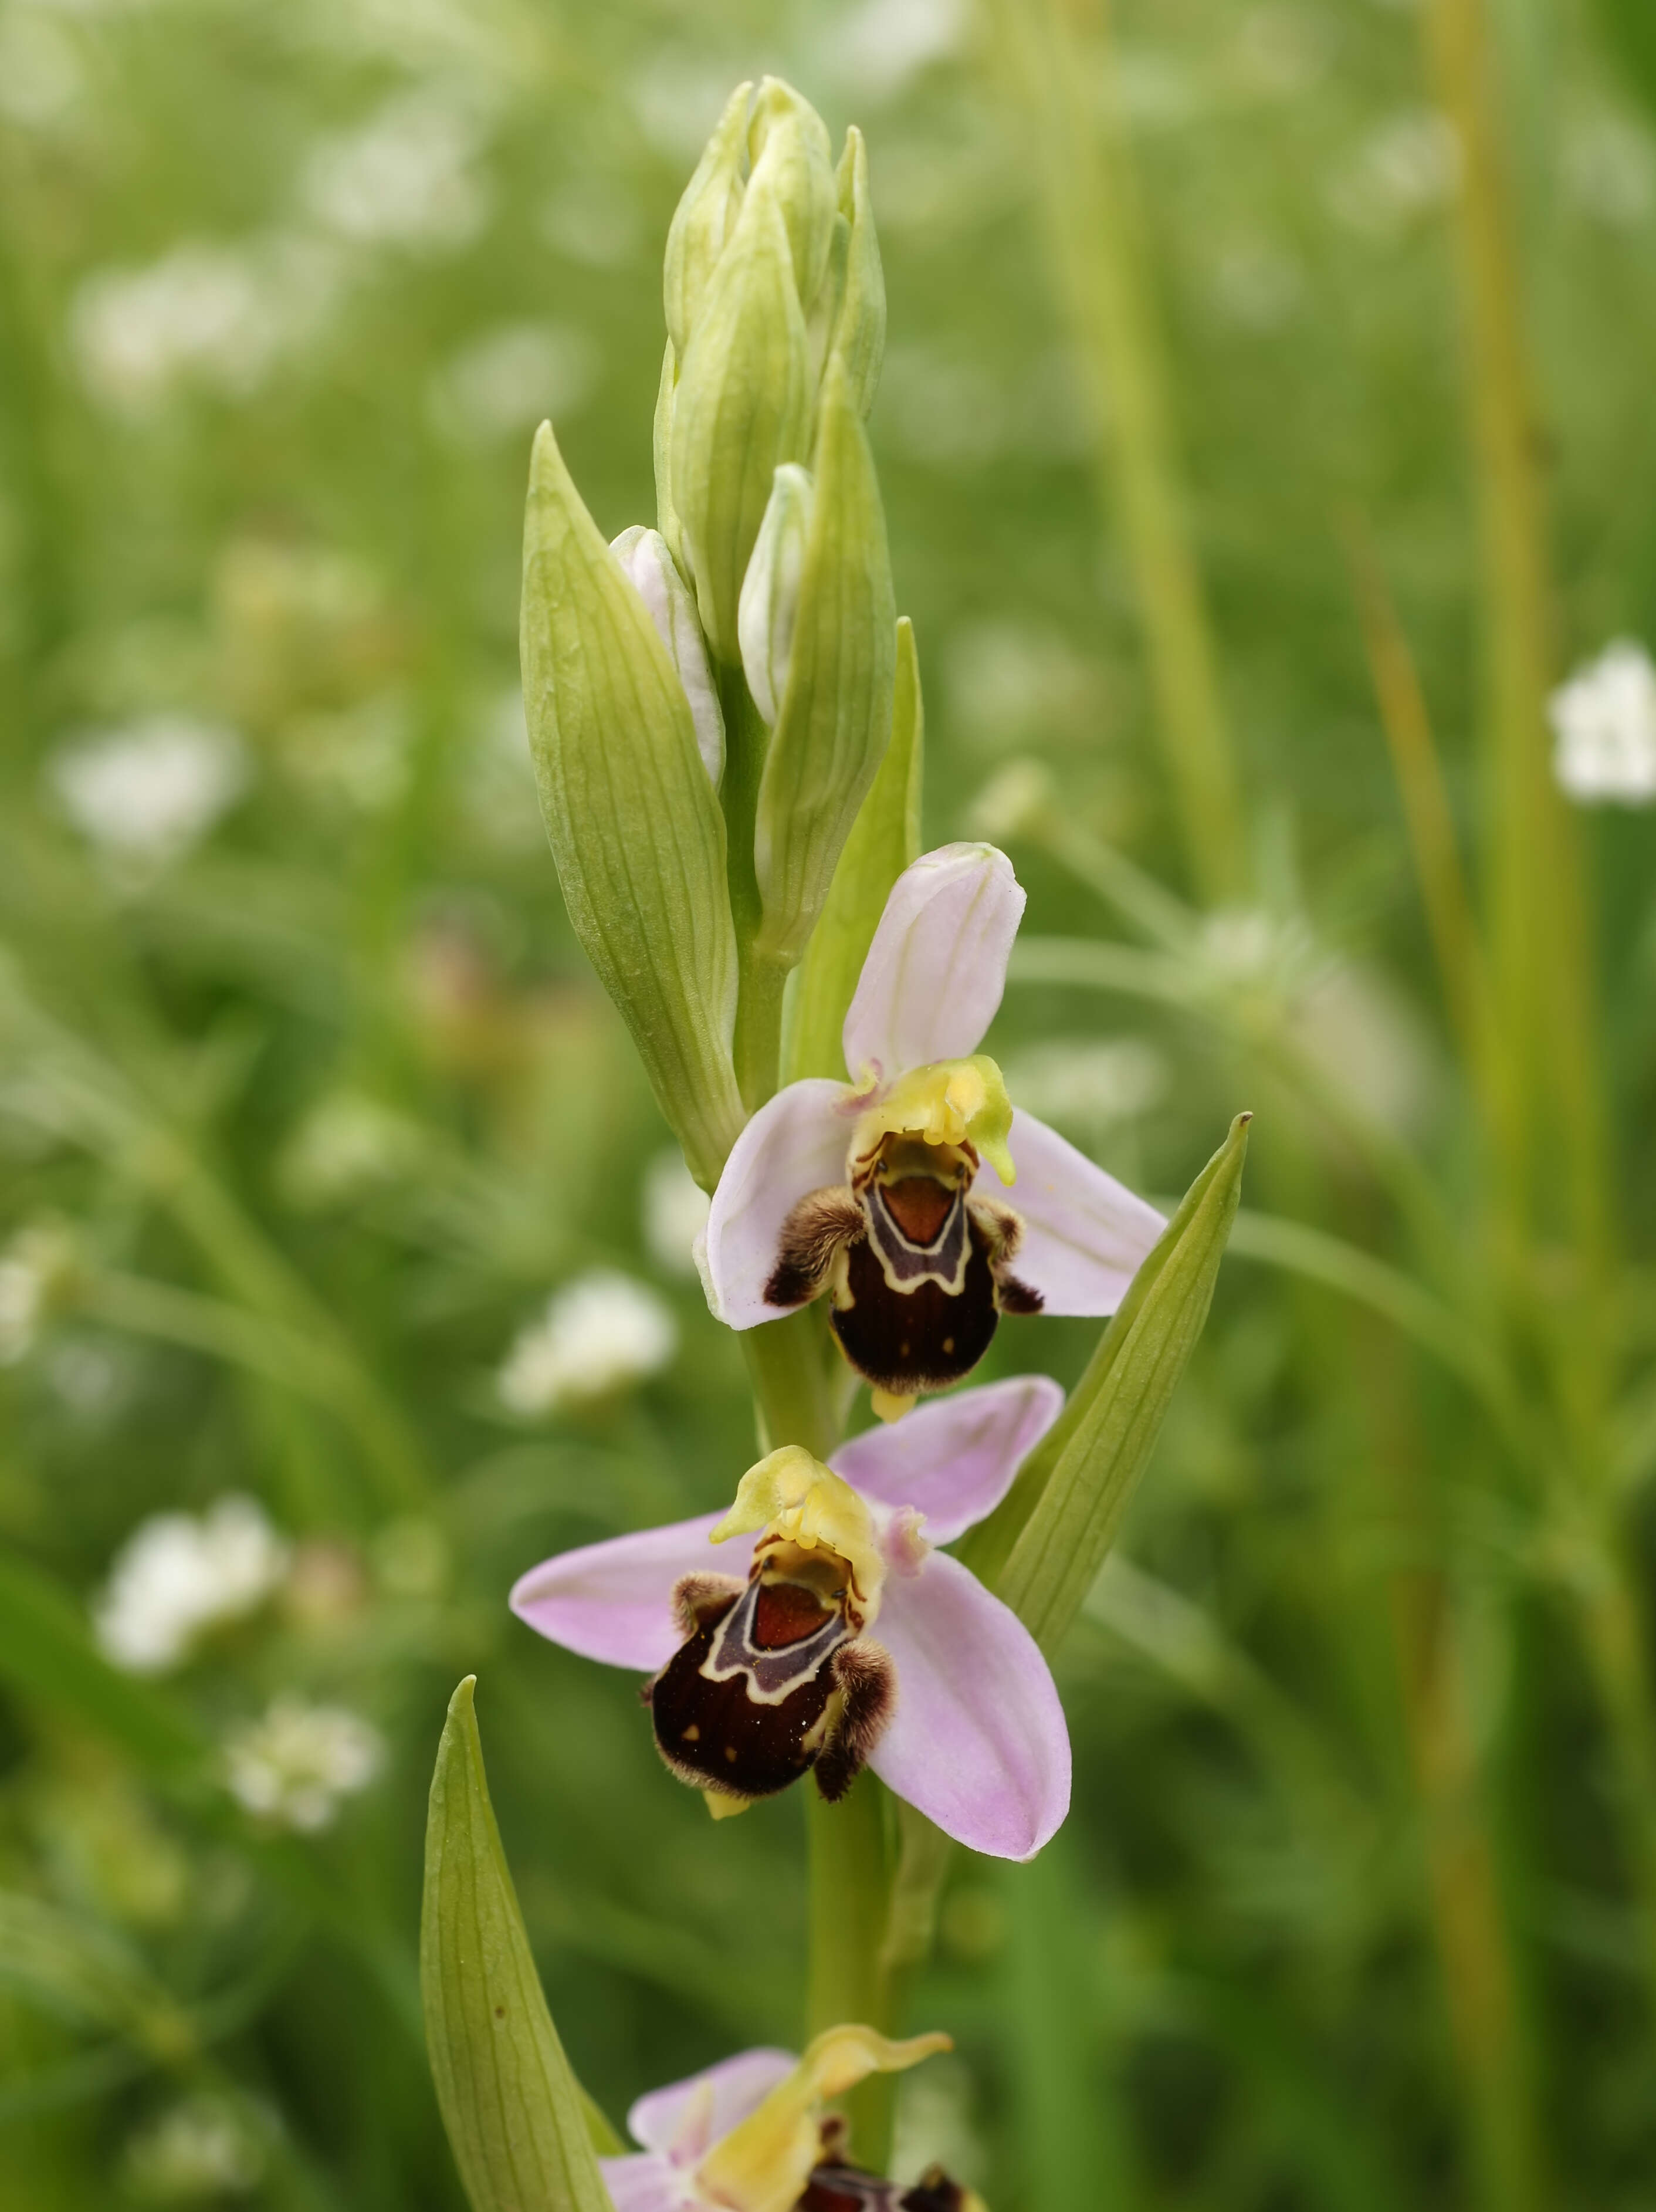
(850, 1892)
(757, 1046)
(1089, 201)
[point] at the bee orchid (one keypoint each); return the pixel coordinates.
(760, 1677)
(882, 1193)
(750, 2134)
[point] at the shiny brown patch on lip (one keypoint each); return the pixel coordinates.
(919, 1205)
(785, 1613)
(897, 1339)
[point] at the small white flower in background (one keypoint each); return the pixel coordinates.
(597, 1336)
(206, 2148)
(293, 1765)
(38, 1263)
(22, 1302)
(879, 47)
(675, 1209)
(220, 318)
(147, 792)
(512, 378)
(348, 1145)
(1605, 722)
(1404, 170)
(1609, 168)
(405, 178)
(179, 1575)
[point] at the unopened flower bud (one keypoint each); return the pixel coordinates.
(789, 146)
(769, 606)
(833, 717)
(704, 217)
(769, 279)
(645, 556)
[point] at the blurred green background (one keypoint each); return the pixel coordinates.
(309, 1104)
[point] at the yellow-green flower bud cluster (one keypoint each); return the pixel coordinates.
(709, 702)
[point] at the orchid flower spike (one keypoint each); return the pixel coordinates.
(750, 2134)
(876, 1191)
(759, 1680)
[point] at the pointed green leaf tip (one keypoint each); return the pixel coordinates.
(520, 2126)
(634, 821)
(1042, 1549)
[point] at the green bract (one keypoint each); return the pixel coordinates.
(884, 838)
(834, 720)
(1043, 1547)
(521, 2127)
(635, 822)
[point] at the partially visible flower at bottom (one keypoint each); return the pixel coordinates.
(750, 2134)
(295, 1765)
(597, 1336)
(761, 1677)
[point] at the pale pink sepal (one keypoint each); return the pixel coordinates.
(937, 967)
(684, 2121)
(1085, 1235)
(642, 2183)
(794, 1144)
(952, 1459)
(978, 1741)
(613, 1601)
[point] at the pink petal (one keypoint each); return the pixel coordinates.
(643, 2183)
(978, 1741)
(1085, 1235)
(793, 1145)
(680, 2124)
(935, 971)
(613, 1601)
(952, 1459)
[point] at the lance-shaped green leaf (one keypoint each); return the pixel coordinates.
(706, 215)
(835, 721)
(884, 838)
(635, 822)
(742, 404)
(519, 2123)
(858, 337)
(1042, 1549)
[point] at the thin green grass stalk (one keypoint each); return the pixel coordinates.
(1540, 962)
(1429, 818)
(1080, 158)
(1466, 1908)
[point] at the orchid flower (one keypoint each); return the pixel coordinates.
(876, 1191)
(750, 2135)
(758, 1680)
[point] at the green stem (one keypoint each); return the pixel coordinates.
(757, 1045)
(850, 1894)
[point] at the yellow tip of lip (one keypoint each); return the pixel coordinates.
(888, 1406)
(725, 1808)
